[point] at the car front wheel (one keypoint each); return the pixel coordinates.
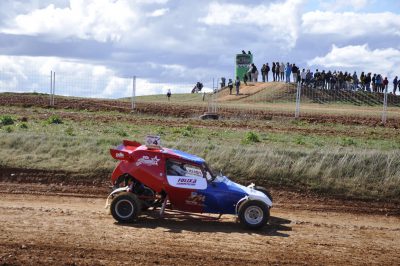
(253, 214)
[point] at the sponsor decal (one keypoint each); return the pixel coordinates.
(196, 199)
(186, 182)
(193, 172)
(119, 155)
(146, 160)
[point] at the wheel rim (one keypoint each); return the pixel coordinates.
(253, 215)
(124, 208)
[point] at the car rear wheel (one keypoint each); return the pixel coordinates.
(253, 214)
(125, 207)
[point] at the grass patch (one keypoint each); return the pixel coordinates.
(6, 120)
(365, 163)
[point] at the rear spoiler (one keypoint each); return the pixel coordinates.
(125, 150)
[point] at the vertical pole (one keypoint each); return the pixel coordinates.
(384, 113)
(298, 94)
(51, 87)
(54, 87)
(133, 92)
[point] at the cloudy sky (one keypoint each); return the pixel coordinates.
(96, 46)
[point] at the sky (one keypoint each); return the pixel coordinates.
(97, 46)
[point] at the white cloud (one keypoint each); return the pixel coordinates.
(158, 12)
(350, 24)
(281, 20)
(28, 74)
(103, 21)
(361, 58)
(341, 4)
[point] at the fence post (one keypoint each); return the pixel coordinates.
(384, 113)
(133, 92)
(51, 87)
(54, 88)
(298, 94)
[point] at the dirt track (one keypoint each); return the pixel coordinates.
(41, 227)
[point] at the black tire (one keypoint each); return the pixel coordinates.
(125, 207)
(253, 214)
(265, 191)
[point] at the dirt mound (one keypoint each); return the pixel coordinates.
(190, 110)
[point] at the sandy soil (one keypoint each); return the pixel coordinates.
(41, 226)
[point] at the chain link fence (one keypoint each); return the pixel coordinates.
(251, 99)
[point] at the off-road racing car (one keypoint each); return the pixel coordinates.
(151, 176)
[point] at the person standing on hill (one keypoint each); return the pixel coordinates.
(230, 85)
(237, 85)
(267, 69)
(263, 69)
(169, 94)
(254, 72)
(282, 71)
(355, 81)
(294, 72)
(385, 84)
(373, 83)
(277, 71)
(368, 82)
(362, 80)
(245, 78)
(273, 71)
(303, 76)
(288, 72)
(395, 82)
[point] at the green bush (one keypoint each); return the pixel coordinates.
(23, 126)
(54, 119)
(6, 120)
(250, 137)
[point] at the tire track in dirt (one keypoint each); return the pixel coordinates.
(63, 230)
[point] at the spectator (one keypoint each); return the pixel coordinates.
(245, 79)
(249, 76)
(362, 80)
(263, 69)
(282, 71)
(230, 85)
(169, 94)
(237, 85)
(267, 69)
(368, 80)
(379, 83)
(355, 81)
(303, 76)
(273, 70)
(373, 80)
(254, 73)
(298, 75)
(395, 83)
(385, 84)
(294, 72)
(223, 82)
(288, 72)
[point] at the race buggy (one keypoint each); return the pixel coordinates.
(151, 176)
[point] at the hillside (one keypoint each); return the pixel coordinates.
(282, 92)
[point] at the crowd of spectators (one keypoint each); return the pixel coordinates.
(330, 80)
